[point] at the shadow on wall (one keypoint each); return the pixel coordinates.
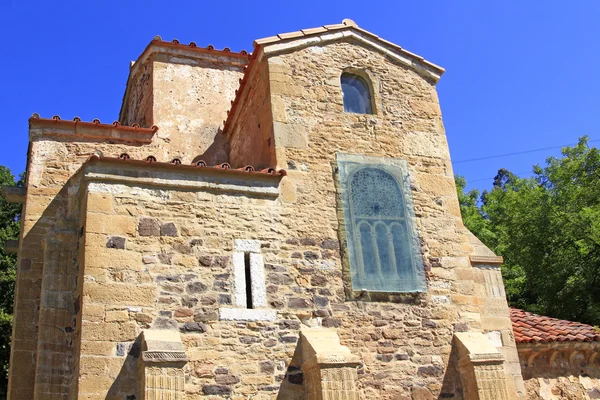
(126, 385)
(292, 386)
(451, 384)
(217, 152)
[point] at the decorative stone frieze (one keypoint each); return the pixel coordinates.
(329, 368)
(481, 368)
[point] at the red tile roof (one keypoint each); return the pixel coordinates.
(176, 162)
(95, 123)
(533, 328)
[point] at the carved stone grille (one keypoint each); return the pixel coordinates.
(383, 244)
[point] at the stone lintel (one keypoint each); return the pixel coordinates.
(11, 246)
(14, 194)
(487, 260)
(246, 314)
(181, 178)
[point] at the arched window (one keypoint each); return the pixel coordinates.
(356, 94)
(383, 245)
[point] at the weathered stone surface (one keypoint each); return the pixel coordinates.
(148, 227)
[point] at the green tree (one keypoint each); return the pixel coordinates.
(9, 230)
(547, 228)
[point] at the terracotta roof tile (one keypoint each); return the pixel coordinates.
(533, 328)
(176, 163)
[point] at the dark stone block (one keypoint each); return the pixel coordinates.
(168, 229)
(225, 299)
(330, 244)
(385, 357)
(148, 227)
(196, 287)
(270, 343)
(221, 371)
(325, 292)
(165, 323)
(164, 313)
(205, 261)
(196, 242)
(220, 262)
(292, 241)
(289, 324)
(311, 255)
(431, 370)
(249, 339)
(296, 302)
(322, 313)
(272, 289)
(227, 379)
(332, 322)
(401, 357)
(168, 278)
(221, 286)
(188, 301)
(276, 268)
(115, 242)
(218, 390)
(380, 322)
(277, 304)
(321, 302)
(461, 327)
(296, 254)
(288, 339)
(195, 327)
(427, 323)
(206, 315)
(267, 367)
(280, 279)
(308, 242)
(318, 280)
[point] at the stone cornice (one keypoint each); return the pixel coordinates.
(181, 177)
(77, 130)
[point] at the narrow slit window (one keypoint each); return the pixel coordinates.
(248, 275)
(356, 94)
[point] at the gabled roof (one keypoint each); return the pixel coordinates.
(285, 42)
(534, 328)
(348, 28)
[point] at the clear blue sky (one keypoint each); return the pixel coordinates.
(520, 74)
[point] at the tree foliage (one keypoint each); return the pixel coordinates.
(9, 230)
(547, 228)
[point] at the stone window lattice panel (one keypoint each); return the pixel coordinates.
(383, 244)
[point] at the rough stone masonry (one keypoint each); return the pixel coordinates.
(197, 249)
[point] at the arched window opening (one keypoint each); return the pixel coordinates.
(356, 94)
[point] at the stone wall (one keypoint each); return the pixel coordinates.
(561, 371)
(186, 92)
(251, 138)
(49, 235)
(394, 334)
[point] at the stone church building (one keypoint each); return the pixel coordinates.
(276, 225)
